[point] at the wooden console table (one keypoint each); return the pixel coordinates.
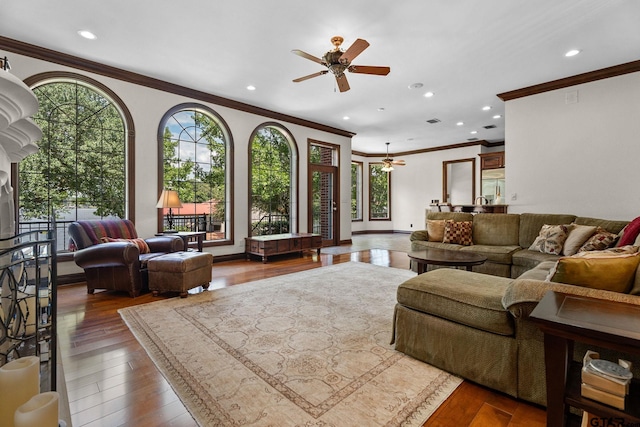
(277, 244)
(567, 318)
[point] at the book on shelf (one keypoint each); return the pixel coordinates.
(604, 381)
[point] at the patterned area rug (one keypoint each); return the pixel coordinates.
(304, 349)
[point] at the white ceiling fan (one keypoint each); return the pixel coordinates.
(388, 162)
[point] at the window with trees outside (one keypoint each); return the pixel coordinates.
(197, 164)
(79, 172)
(273, 158)
(379, 193)
(356, 191)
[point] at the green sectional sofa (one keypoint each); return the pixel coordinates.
(476, 324)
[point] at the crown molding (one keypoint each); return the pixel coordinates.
(591, 76)
(482, 142)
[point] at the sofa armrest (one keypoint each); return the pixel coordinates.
(523, 295)
(112, 254)
(419, 235)
(165, 244)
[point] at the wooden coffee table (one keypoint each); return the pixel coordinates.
(449, 258)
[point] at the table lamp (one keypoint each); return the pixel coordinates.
(169, 199)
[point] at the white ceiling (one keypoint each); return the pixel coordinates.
(465, 51)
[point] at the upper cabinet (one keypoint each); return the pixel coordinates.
(492, 160)
(492, 177)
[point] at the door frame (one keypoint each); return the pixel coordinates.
(335, 170)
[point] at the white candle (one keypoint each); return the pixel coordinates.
(40, 411)
(19, 382)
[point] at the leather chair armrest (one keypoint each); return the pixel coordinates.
(110, 254)
(165, 243)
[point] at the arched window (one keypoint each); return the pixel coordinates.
(80, 170)
(197, 157)
(273, 157)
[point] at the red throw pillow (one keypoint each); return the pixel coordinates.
(630, 233)
(140, 243)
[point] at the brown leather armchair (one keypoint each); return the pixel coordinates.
(116, 265)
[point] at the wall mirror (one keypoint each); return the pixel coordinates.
(459, 181)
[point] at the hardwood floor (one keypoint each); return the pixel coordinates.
(111, 381)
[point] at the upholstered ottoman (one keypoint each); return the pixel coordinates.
(179, 272)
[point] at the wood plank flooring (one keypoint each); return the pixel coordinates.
(112, 382)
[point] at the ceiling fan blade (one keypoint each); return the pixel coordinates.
(368, 69)
(399, 162)
(343, 84)
(310, 76)
(354, 50)
(306, 55)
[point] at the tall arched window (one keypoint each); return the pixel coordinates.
(273, 157)
(197, 157)
(80, 169)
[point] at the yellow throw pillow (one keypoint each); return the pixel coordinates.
(435, 230)
(611, 273)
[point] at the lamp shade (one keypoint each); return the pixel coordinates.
(169, 199)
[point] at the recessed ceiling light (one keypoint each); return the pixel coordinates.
(416, 86)
(251, 87)
(572, 52)
(459, 123)
(345, 118)
(87, 34)
(486, 108)
(428, 94)
(381, 109)
(473, 132)
(497, 116)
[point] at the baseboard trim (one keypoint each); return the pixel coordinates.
(381, 232)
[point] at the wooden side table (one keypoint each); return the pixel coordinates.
(565, 319)
(186, 236)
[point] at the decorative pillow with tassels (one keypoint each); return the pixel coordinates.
(140, 243)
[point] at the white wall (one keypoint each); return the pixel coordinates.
(413, 187)
(580, 158)
(147, 106)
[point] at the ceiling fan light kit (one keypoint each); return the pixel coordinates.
(338, 61)
(388, 162)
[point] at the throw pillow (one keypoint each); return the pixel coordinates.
(630, 233)
(435, 230)
(550, 239)
(602, 239)
(140, 243)
(578, 234)
(610, 273)
(460, 232)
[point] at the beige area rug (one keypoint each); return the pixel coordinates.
(304, 349)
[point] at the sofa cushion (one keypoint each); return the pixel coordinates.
(598, 271)
(497, 254)
(460, 232)
(600, 240)
(531, 223)
(435, 230)
(539, 272)
(529, 259)
(612, 226)
(578, 234)
(630, 232)
(463, 297)
(551, 239)
(496, 229)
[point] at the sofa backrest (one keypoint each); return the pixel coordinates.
(89, 232)
(531, 223)
(612, 226)
(456, 216)
(496, 229)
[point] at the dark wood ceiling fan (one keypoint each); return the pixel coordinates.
(338, 61)
(388, 162)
